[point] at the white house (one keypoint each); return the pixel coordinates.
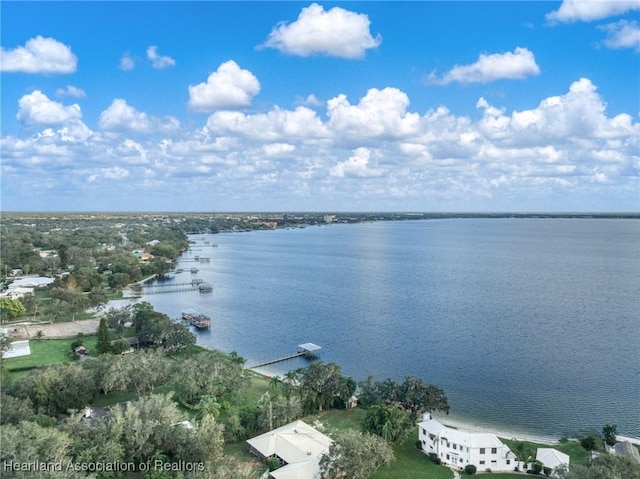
(552, 458)
(297, 446)
(459, 448)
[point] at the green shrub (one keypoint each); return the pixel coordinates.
(273, 463)
(470, 469)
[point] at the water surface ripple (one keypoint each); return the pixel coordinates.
(525, 323)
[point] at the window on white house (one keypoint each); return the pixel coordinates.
(454, 446)
(494, 450)
(508, 461)
(482, 450)
(481, 462)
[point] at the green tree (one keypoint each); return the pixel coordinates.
(117, 318)
(141, 372)
(118, 280)
(277, 410)
(388, 422)
(103, 345)
(14, 410)
(417, 397)
(589, 443)
(605, 466)
(609, 433)
(87, 279)
(150, 424)
(5, 344)
(10, 308)
(177, 337)
(27, 442)
(323, 386)
(355, 455)
(63, 254)
(209, 373)
(58, 388)
(369, 393)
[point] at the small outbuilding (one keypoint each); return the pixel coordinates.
(552, 458)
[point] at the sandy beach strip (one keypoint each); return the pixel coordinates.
(505, 433)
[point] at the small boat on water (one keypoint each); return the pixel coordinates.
(194, 270)
(205, 287)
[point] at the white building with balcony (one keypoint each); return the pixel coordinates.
(456, 447)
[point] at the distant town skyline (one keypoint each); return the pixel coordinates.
(327, 106)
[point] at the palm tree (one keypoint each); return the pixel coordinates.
(208, 407)
(276, 384)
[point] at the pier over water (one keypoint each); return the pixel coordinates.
(307, 350)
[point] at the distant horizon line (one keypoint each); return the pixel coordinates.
(316, 212)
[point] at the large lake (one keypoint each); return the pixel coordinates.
(527, 324)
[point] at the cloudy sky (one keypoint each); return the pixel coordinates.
(351, 106)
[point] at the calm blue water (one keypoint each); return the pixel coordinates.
(530, 324)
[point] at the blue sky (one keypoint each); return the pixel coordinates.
(327, 106)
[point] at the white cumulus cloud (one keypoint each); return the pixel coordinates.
(576, 117)
(336, 32)
(509, 65)
(159, 61)
(622, 34)
(39, 55)
(229, 87)
(276, 125)
(120, 116)
(37, 109)
(358, 165)
(380, 113)
(588, 10)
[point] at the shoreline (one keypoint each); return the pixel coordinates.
(468, 424)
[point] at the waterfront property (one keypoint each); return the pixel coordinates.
(459, 448)
(297, 446)
(456, 447)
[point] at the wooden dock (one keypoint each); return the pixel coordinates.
(273, 361)
(306, 349)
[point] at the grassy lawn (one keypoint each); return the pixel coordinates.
(411, 463)
(257, 387)
(338, 419)
(47, 351)
(572, 448)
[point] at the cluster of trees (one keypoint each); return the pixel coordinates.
(412, 395)
(151, 428)
(605, 466)
(91, 256)
(319, 386)
(10, 308)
